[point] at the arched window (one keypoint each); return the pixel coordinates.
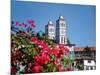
(61, 39)
(62, 24)
(64, 40)
(51, 30)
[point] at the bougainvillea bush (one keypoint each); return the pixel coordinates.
(35, 53)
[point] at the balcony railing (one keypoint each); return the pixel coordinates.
(85, 57)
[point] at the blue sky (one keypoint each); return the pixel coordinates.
(80, 19)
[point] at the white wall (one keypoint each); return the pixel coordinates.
(89, 65)
(92, 63)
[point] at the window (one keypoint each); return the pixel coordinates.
(87, 68)
(64, 40)
(89, 61)
(63, 25)
(91, 68)
(51, 30)
(61, 39)
(94, 67)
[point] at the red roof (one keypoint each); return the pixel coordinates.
(82, 48)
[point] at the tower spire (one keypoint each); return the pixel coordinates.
(50, 22)
(61, 17)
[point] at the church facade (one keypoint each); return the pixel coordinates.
(58, 32)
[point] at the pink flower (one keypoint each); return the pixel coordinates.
(60, 68)
(54, 52)
(30, 21)
(30, 64)
(42, 59)
(25, 25)
(13, 70)
(45, 57)
(17, 22)
(34, 39)
(33, 25)
(57, 61)
(36, 69)
(67, 50)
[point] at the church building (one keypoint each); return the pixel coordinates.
(58, 32)
(61, 37)
(50, 30)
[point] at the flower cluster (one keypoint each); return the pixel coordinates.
(49, 54)
(57, 51)
(36, 54)
(22, 26)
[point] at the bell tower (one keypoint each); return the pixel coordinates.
(61, 37)
(50, 30)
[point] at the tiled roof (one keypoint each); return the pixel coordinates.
(82, 48)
